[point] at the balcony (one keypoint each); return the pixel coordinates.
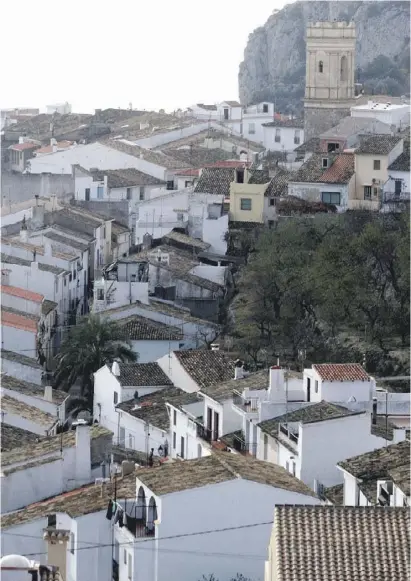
(139, 528)
(204, 433)
(289, 434)
(240, 445)
(245, 404)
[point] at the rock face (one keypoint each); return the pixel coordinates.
(274, 58)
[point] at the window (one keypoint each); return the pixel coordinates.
(321, 67)
(70, 277)
(367, 192)
(130, 566)
(293, 468)
(333, 147)
(245, 204)
(174, 417)
(51, 520)
(72, 543)
(265, 447)
(125, 557)
(343, 69)
(316, 386)
(272, 201)
(398, 187)
(239, 173)
(142, 192)
(174, 440)
(331, 198)
(128, 193)
(74, 274)
(182, 447)
(100, 294)
(265, 108)
(100, 192)
(271, 223)
(170, 185)
(251, 128)
(226, 113)
(187, 183)
(377, 164)
(297, 136)
(65, 281)
(277, 137)
(115, 397)
(325, 162)
(87, 194)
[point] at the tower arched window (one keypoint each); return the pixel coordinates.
(343, 69)
(321, 67)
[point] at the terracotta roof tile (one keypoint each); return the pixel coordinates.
(341, 170)
(142, 374)
(206, 367)
(341, 372)
(336, 543)
(59, 145)
(22, 293)
(23, 146)
(9, 319)
(142, 329)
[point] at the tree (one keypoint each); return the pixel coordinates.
(88, 346)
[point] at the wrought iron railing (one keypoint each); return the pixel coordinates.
(204, 433)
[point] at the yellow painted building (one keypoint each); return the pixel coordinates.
(372, 159)
(247, 196)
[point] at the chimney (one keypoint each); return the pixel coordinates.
(83, 454)
(115, 369)
(24, 233)
(127, 467)
(239, 369)
(56, 541)
(48, 393)
(374, 411)
(53, 199)
(53, 141)
(276, 386)
(21, 140)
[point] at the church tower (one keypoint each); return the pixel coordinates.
(329, 81)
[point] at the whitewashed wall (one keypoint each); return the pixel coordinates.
(150, 351)
(16, 369)
(18, 340)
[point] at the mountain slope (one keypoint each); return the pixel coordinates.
(274, 58)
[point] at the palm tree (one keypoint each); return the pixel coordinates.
(88, 346)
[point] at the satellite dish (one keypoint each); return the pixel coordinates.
(15, 562)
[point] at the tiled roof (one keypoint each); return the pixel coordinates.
(232, 103)
(18, 321)
(142, 375)
(353, 125)
(7, 259)
(19, 358)
(14, 407)
(341, 171)
(341, 372)
(78, 502)
(312, 169)
(51, 444)
(335, 494)
(224, 390)
(215, 180)
(188, 172)
(152, 407)
(310, 146)
(119, 178)
(31, 389)
(198, 156)
(401, 477)
(278, 185)
(293, 123)
(377, 144)
(376, 465)
(22, 293)
(141, 329)
(219, 467)
(206, 367)
(39, 250)
(310, 414)
(58, 236)
(23, 146)
(402, 163)
(149, 155)
(48, 306)
(337, 543)
(59, 145)
(258, 176)
(185, 240)
(12, 437)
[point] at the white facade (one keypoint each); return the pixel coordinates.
(24, 368)
(168, 137)
(110, 294)
(60, 108)
(176, 372)
(184, 441)
(86, 188)
(284, 138)
(314, 192)
(391, 114)
(149, 351)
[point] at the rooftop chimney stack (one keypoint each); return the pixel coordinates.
(83, 454)
(239, 369)
(48, 393)
(276, 385)
(115, 369)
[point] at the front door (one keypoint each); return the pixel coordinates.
(215, 430)
(209, 425)
(182, 447)
(308, 389)
(398, 185)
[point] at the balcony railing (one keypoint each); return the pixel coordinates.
(247, 404)
(243, 447)
(204, 433)
(139, 527)
(290, 435)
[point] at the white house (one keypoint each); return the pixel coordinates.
(380, 477)
(122, 282)
(151, 340)
(33, 471)
(310, 441)
(395, 114)
(60, 108)
(283, 135)
(49, 400)
(122, 383)
(396, 190)
(185, 498)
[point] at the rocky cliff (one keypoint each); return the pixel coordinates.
(274, 59)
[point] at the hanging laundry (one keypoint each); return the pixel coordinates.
(118, 518)
(110, 509)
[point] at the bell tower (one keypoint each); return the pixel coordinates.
(329, 81)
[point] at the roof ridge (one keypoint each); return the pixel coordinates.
(227, 466)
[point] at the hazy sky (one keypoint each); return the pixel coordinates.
(152, 53)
